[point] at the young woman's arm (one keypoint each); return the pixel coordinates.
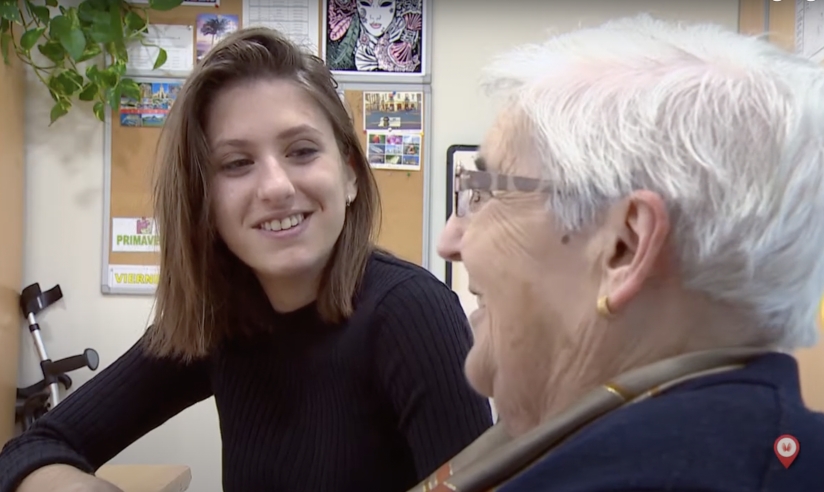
(102, 417)
(422, 344)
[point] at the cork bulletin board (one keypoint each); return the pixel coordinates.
(396, 112)
(403, 189)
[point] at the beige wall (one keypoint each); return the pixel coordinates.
(11, 246)
(65, 176)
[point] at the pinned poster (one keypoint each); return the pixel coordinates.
(135, 235)
(394, 150)
(134, 277)
(176, 40)
(211, 28)
(393, 110)
(156, 99)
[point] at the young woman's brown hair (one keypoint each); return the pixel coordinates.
(203, 289)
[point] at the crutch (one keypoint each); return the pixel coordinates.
(32, 302)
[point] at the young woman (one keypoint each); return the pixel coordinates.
(334, 366)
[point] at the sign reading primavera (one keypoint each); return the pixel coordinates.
(135, 235)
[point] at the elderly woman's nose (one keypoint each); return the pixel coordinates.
(449, 244)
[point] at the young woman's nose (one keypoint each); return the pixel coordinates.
(274, 184)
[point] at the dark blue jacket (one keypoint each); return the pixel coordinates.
(713, 434)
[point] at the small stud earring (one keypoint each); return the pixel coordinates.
(348, 200)
(603, 307)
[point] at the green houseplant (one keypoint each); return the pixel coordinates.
(93, 31)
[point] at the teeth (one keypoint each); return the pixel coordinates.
(283, 224)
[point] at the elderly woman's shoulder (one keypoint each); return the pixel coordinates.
(717, 433)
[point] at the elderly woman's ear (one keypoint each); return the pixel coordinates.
(637, 235)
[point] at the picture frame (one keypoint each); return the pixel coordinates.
(393, 48)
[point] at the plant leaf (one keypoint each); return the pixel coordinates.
(129, 88)
(161, 58)
(109, 77)
(118, 67)
(30, 37)
(59, 27)
(72, 79)
(75, 43)
(134, 22)
(10, 12)
(164, 4)
(103, 5)
(42, 13)
(52, 50)
(51, 3)
(61, 87)
(115, 23)
(93, 73)
(89, 92)
(121, 51)
(113, 96)
(91, 51)
(99, 110)
(95, 21)
(71, 13)
(5, 42)
(101, 32)
(59, 109)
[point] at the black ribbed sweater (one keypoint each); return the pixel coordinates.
(375, 404)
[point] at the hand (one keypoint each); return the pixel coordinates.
(64, 478)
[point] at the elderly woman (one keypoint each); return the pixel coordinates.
(644, 235)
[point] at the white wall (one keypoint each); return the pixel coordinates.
(65, 181)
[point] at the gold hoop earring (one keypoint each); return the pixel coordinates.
(603, 307)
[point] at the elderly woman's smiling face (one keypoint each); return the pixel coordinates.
(535, 286)
(540, 342)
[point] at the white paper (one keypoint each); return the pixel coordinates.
(179, 43)
(134, 277)
(135, 235)
(297, 19)
(809, 29)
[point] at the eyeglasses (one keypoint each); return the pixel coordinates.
(474, 188)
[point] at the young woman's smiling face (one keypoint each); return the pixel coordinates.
(280, 184)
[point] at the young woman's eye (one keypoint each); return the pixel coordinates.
(303, 153)
(236, 164)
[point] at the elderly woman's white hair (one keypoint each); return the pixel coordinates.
(728, 130)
